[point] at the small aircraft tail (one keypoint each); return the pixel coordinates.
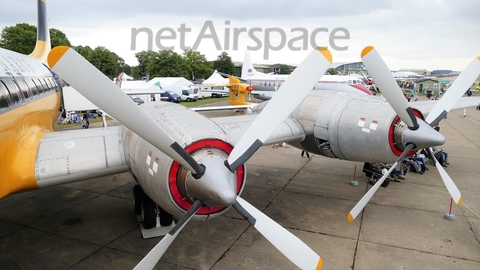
(43, 45)
(238, 91)
(247, 67)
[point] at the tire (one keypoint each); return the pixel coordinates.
(149, 214)
(166, 218)
(138, 194)
(188, 100)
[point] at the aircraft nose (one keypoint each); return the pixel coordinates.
(423, 137)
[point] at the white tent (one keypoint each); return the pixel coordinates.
(138, 86)
(405, 74)
(163, 81)
(212, 85)
(142, 89)
(215, 78)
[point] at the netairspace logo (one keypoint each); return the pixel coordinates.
(268, 39)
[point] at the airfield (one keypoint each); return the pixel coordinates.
(92, 225)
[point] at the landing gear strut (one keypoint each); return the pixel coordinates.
(156, 221)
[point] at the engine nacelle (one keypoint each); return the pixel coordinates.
(163, 179)
(351, 127)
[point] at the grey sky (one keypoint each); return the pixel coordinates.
(435, 34)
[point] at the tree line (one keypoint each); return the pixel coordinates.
(164, 63)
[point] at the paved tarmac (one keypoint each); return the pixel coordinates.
(91, 224)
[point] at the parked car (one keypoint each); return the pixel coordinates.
(136, 99)
(170, 96)
(185, 93)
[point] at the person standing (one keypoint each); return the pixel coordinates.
(85, 122)
(307, 154)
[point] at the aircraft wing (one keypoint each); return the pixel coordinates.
(236, 126)
(223, 108)
(74, 155)
(426, 106)
(263, 95)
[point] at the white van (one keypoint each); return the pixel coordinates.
(185, 93)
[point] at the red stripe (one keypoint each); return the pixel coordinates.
(174, 169)
(391, 139)
(361, 88)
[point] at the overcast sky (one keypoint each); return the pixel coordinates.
(430, 34)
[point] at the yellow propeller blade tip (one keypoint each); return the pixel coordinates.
(326, 53)
(319, 264)
(350, 218)
(461, 199)
(55, 55)
(478, 57)
(366, 50)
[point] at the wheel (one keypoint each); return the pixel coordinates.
(149, 214)
(188, 100)
(138, 194)
(165, 218)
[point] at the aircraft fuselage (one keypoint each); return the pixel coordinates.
(29, 104)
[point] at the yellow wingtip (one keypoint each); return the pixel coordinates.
(478, 57)
(326, 53)
(366, 50)
(319, 264)
(55, 55)
(461, 199)
(350, 218)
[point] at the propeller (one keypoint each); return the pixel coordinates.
(389, 87)
(443, 106)
(152, 258)
(292, 247)
(73, 68)
(366, 198)
(214, 186)
(419, 134)
(447, 180)
(455, 92)
(302, 81)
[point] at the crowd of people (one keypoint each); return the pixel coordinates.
(416, 163)
(406, 84)
(78, 117)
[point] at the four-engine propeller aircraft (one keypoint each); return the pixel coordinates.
(193, 167)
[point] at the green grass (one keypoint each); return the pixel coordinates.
(199, 102)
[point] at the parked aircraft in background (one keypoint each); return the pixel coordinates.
(191, 167)
(268, 84)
